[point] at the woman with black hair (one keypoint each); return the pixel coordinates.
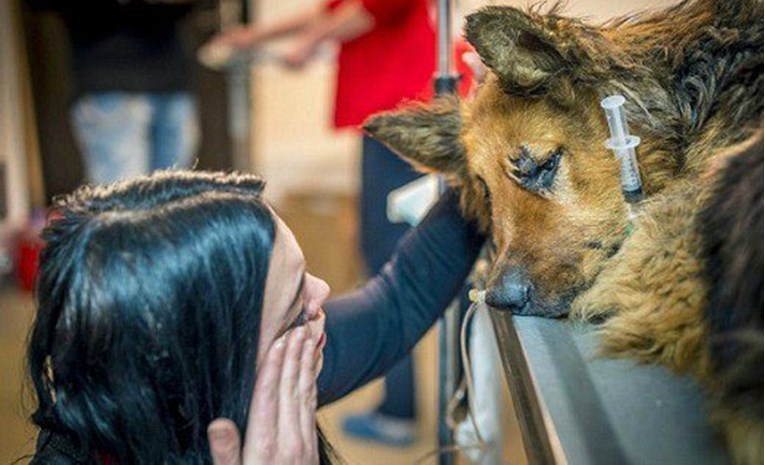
(160, 299)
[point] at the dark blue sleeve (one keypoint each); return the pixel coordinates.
(372, 328)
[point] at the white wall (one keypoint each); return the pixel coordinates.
(294, 143)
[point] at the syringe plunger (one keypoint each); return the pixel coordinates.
(617, 120)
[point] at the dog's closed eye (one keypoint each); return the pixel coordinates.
(535, 176)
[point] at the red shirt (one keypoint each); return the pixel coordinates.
(393, 62)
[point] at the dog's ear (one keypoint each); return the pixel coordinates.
(426, 135)
(530, 53)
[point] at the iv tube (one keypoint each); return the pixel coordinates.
(623, 145)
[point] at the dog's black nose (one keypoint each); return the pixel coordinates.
(510, 291)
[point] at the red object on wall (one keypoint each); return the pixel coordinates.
(28, 247)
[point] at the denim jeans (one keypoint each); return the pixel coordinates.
(123, 135)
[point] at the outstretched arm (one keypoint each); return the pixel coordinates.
(369, 330)
(310, 27)
(345, 22)
(253, 35)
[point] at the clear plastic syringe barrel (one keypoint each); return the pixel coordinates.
(617, 120)
(623, 145)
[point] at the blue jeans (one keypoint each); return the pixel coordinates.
(123, 135)
(381, 172)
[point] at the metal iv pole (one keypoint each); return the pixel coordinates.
(445, 82)
(232, 12)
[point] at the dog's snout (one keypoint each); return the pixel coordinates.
(511, 291)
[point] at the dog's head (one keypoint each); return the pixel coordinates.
(528, 152)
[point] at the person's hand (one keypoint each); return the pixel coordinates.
(222, 50)
(281, 428)
(240, 37)
(299, 54)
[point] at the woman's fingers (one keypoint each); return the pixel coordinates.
(225, 444)
(289, 416)
(262, 441)
(239, 37)
(307, 399)
(282, 418)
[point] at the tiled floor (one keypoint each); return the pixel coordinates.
(313, 221)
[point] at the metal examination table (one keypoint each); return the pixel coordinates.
(576, 408)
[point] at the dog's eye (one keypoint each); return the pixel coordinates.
(551, 162)
(534, 176)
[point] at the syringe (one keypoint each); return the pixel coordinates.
(623, 145)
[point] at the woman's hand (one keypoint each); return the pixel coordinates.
(239, 37)
(228, 47)
(281, 427)
(299, 54)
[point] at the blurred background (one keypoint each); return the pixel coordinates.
(262, 118)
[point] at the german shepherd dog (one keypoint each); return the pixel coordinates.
(528, 155)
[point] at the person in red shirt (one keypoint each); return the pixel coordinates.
(387, 56)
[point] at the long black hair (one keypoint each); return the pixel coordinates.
(149, 302)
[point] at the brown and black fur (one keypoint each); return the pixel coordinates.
(528, 154)
(731, 229)
(685, 290)
(692, 76)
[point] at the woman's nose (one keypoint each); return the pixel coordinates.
(316, 293)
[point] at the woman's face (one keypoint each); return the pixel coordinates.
(292, 297)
